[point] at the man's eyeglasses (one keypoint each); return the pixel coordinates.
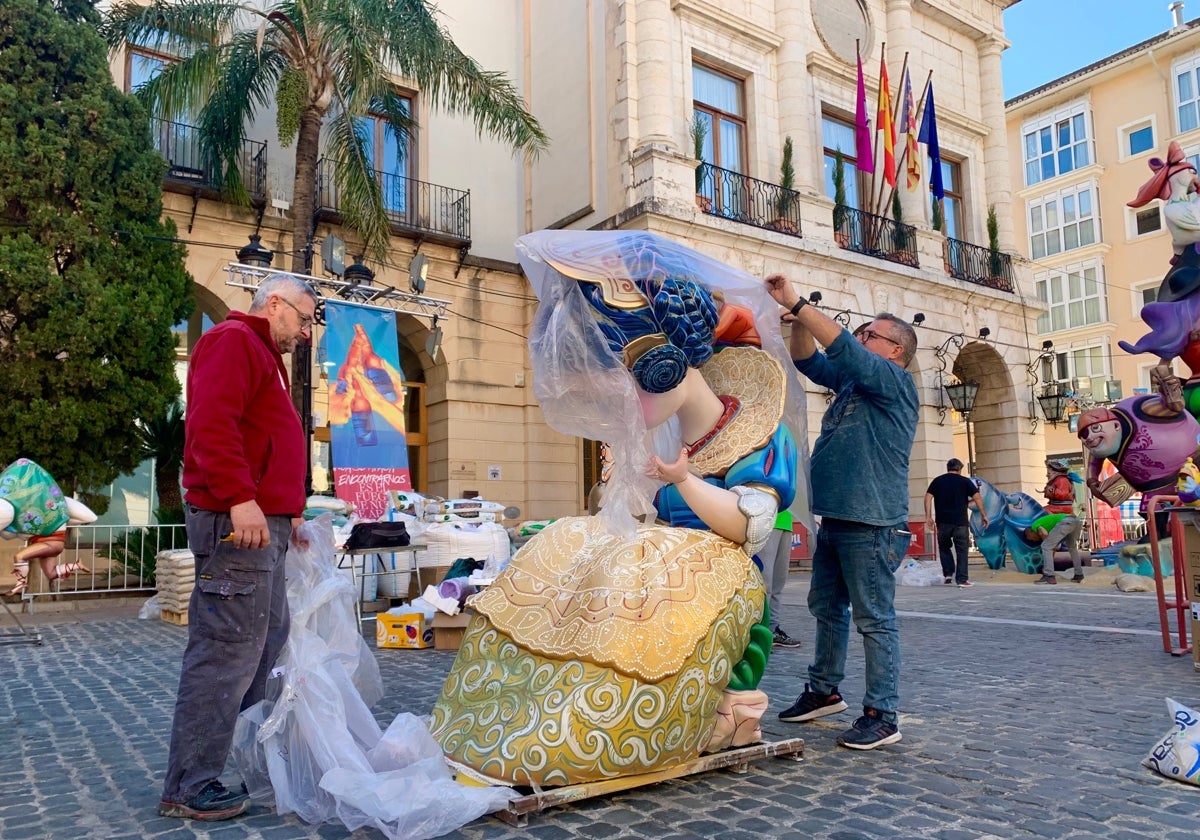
(306, 321)
(867, 335)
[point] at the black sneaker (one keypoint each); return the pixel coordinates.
(948, 581)
(869, 731)
(1050, 580)
(812, 705)
(782, 639)
(214, 802)
(1078, 578)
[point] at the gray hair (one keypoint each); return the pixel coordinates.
(906, 336)
(274, 284)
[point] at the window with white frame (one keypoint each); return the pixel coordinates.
(1143, 294)
(1056, 143)
(1187, 92)
(1083, 362)
(1137, 137)
(1062, 220)
(1075, 295)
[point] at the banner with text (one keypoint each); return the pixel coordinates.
(369, 449)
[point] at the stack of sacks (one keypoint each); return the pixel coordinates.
(317, 505)
(447, 541)
(175, 572)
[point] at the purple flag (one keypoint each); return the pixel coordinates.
(928, 136)
(862, 129)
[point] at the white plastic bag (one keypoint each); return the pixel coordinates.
(919, 573)
(1177, 754)
(150, 609)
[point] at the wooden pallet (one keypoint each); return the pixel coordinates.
(518, 810)
(177, 618)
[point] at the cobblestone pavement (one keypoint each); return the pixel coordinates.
(1026, 713)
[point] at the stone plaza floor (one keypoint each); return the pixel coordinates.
(1026, 712)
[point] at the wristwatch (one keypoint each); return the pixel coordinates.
(800, 304)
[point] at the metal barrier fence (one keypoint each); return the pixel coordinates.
(120, 560)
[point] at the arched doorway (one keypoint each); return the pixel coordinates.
(995, 422)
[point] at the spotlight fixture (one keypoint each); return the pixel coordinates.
(814, 298)
(918, 319)
(984, 332)
(1047, 344)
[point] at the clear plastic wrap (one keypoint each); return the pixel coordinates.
(317, 749)
(583, 386)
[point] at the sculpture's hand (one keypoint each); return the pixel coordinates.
(675, 472)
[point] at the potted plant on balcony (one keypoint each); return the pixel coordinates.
(699, 132)
(786, 199)
(841, 231)
(995, 258)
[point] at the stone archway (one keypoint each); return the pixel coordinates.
(997, 418)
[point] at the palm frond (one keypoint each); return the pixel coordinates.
(361, 200)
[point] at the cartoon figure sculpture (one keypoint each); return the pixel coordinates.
(1148, 438)
(609, 647)
(1009, 514)
(1187, 485)
(34, 508)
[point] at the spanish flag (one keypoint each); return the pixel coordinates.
(884, 121)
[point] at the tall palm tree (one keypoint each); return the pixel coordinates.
(318, 61)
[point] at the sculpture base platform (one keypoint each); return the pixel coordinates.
(518, 811)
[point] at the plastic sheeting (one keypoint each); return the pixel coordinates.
(317, 750)
(583, 387)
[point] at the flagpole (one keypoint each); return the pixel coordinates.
(895, 121)
(879, 197)
(903, 155)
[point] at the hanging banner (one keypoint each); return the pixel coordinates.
(369, 449)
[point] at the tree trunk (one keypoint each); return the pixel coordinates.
(169, 498)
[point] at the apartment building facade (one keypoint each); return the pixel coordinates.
(1082, 146)
(618, 84)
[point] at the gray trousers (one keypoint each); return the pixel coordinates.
(237, 625)
(775, 557)
(1068, 528)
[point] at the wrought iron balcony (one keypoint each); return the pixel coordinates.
(731, 195)
(412, 206)
(191, 169)
(979, 265)
(875, 236)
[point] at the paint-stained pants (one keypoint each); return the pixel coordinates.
(237, 625)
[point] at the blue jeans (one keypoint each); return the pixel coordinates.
(237, 624)
(854, 567)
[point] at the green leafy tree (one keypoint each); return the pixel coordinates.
(839, 191)
(161, 438)
(91, 280)
(787, 181)
(321, 63)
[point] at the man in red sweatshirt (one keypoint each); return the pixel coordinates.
(243, 469)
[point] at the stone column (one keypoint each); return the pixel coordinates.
(914, 204)
(798, 118)
(995, 145)
(655, 107)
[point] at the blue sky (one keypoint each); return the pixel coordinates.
(1051, 38)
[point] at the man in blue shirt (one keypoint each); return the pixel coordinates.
(860, 491)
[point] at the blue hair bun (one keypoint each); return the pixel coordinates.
(660, 369)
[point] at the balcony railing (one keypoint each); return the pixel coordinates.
(411, 205)
(979, 265)
(731, 195)
(875, 236)
(188, 165)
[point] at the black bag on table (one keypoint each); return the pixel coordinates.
(368, 535)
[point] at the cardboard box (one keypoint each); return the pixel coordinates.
(402, 631)
(448, 630)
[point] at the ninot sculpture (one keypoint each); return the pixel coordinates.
(33, 507)
(611, 647)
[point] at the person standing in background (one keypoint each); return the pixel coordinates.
(776, 557)
(951, 493)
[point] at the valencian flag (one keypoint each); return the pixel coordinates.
(908, 120)
(865, 157)
(369, 446)
(884, 120)
(929, 137)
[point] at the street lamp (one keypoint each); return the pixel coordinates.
(962, 396)
(254, 254)
(1054, 401)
